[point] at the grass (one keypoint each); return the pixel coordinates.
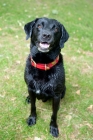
(75, 117)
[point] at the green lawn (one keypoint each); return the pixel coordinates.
(75, 117)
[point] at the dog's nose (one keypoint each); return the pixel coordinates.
(46, 36)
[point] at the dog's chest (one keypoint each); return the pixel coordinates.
(42, 83)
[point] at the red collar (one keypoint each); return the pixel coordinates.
(44, 66)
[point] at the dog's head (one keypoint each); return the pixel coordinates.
(46, 33)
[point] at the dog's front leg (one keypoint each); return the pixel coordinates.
(32, 118)
(53, 124)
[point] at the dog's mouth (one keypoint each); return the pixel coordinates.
(43, 47)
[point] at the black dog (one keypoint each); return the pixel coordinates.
(44, 72)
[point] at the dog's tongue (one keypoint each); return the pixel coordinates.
(44, 45)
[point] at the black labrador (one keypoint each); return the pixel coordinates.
(44, 72)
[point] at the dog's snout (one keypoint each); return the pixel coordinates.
(46, 35)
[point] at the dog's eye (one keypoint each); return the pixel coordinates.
(56, 29)
(39, 26)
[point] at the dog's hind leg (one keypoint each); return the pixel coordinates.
(63, 92)
(32, 118)
(28, 100)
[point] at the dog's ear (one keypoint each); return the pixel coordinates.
(64, 36)
(28, 28)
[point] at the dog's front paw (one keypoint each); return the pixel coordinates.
(54, 131)
(31, 121)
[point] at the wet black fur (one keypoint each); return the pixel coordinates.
(45, 84)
